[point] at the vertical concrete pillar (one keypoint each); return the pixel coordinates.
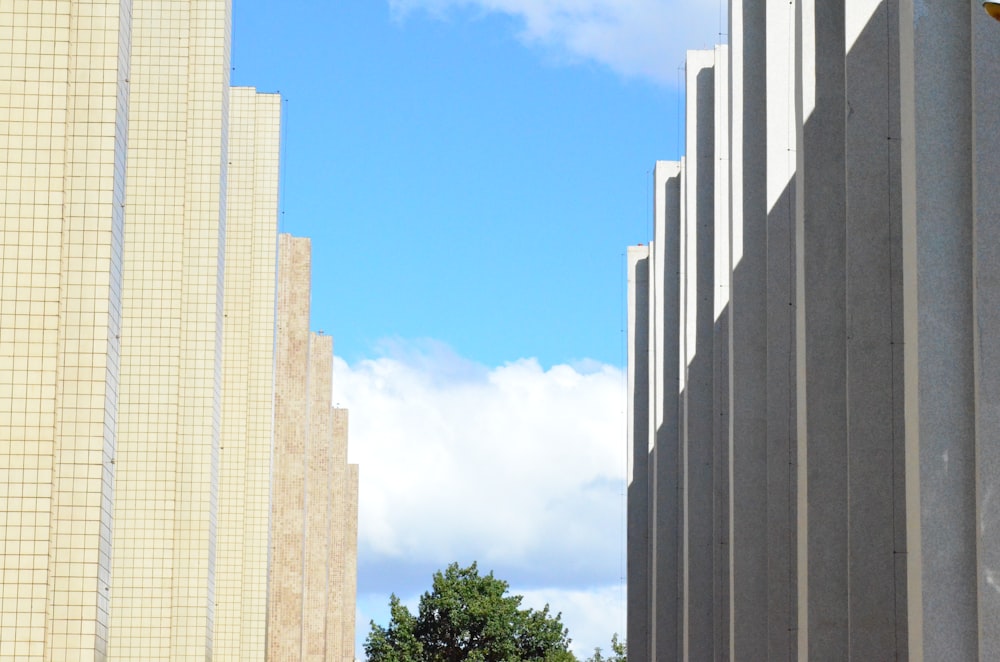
(781, 392)
(639, 580)
(720, 354)
(936, 92)
(986, 234)
(821, 322)
(699, 575)
(660, 454)
(748, 333)
(685, 340)
(876, 506)
(665, 312)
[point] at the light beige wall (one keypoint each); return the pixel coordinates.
(285, 590)
(165, 515)
(337, 595)
(317, 499)
(248, 375)
(63, 77)
(342, 562)
(350, 590)
(314, 503)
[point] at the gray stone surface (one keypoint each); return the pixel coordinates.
(821, 392)
(936, 142)
(638, 578)
(876, 535)
(721, 357)
(986, 209)
(748, 333)
(782, 602)
(666, 588)
(699, 575)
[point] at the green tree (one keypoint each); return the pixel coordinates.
(468, 617)
(618, 652)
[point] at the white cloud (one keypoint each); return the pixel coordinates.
(516, 467)
(590, 615)
(636, 38)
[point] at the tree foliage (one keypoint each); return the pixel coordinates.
(468, 617)
(618, 652)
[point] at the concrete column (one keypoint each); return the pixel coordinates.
(666, 263)
(781, 392)
(876, 497)
(639, 580)
(699, 557)
(821, 325)
(720, 355)
(986, 234)
(936, 92)
(684, 341)
(748, 333)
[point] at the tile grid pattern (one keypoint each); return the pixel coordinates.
(62, 133)
(171, 335)
(248, 369)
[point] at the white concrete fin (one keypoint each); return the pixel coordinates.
(780, 103)
(634, 255)
(682, 278)
(735, 176)
(808, 58)
(857, 13)
(697, 61)
(721, 184)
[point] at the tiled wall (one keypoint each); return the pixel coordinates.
(248, 373)
(164, 533)
(138, 405)
(63, 74)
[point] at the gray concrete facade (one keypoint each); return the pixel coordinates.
(721, 356)
(665, 496)
(637, 541)
(838, 350)
(698, 447)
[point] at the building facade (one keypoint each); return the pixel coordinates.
(171, 381)
(247, 375)
(814, 348)
(64, 94)
(314, 507)
(139, 378)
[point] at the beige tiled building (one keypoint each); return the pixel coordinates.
(63, 101)
(314, 503)
(140, 370)
(247, 376)
(171, 378)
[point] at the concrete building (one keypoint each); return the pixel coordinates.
(837, 437)
(314, 502)
(64, 95)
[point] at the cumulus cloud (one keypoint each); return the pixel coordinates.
(590, 615)
(517, 467)
(636, 38)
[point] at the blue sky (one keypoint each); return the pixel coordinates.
(470, 172)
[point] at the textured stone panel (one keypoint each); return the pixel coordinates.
(290, 430)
